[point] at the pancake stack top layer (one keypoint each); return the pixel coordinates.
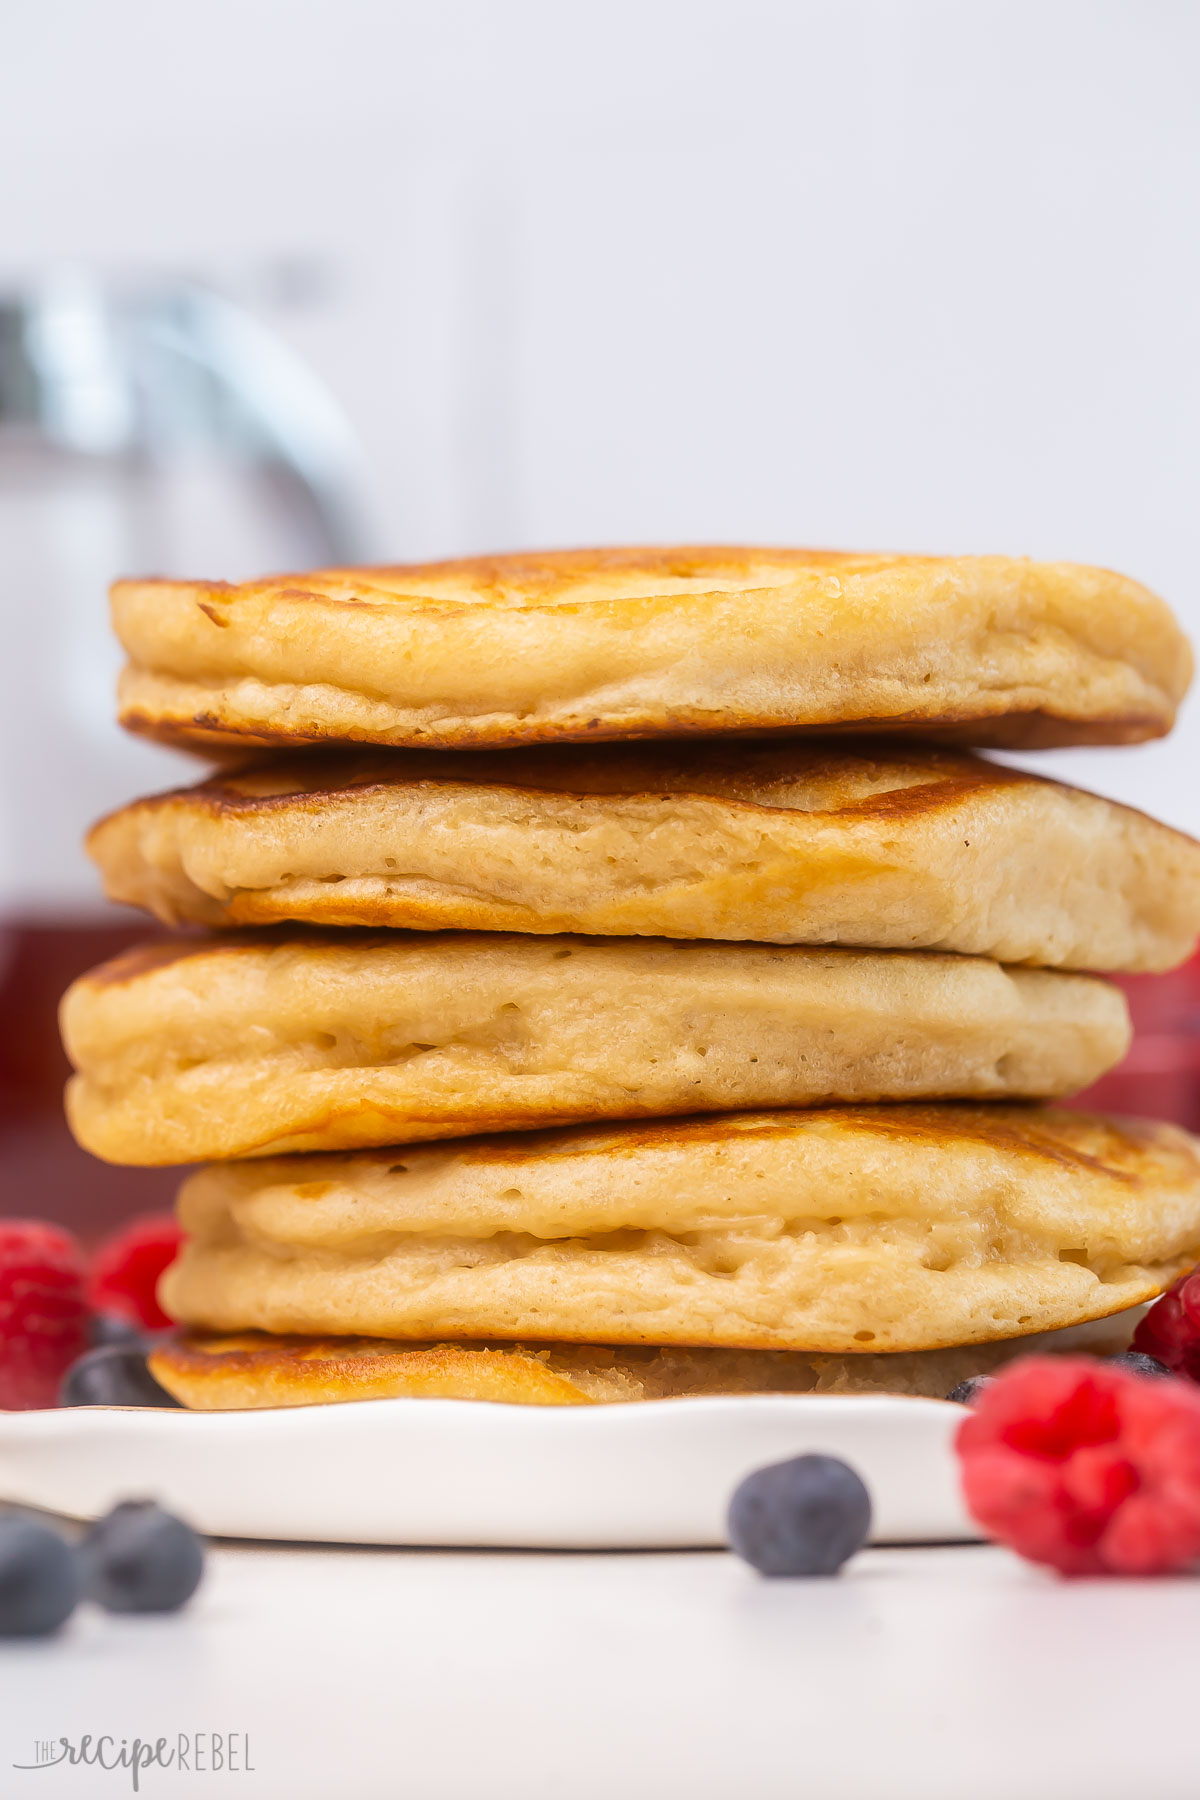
(595, 644)
(785, 923)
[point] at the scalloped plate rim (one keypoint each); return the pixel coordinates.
(466, 1473)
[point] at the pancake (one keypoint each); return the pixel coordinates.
(294, 1041)
(251, 1369)
(652, 642)
(854, 1229)
(872, 843)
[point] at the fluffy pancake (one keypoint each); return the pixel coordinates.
(296, 1041)
(251, 1369)
(854, 1229)
(651, 642)
(870, 843)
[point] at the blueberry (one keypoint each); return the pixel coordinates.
(140, 1559)
(40, 1578)
(114, 1375)
(1138, 1363)
(967, 1392)
(111, 1328)
(802, 1517)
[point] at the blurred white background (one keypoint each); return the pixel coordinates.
(866, 273)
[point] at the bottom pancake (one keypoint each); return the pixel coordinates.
(254, 1370)
(843, 1231)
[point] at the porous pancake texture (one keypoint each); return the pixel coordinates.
(251, 1369)
(846, 1230)
(644, 642)
(304, 1041)
(872, 843)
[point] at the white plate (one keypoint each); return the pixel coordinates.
(651, 1475)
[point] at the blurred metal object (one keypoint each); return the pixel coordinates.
(145, 374)
(150, 428)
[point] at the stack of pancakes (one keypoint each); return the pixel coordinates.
(532, 1062)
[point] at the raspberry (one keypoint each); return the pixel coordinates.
(43, 1313)
(126, 1268)
(1083, 1466)
(1171, 1329)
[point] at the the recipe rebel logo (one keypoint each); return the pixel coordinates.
(191, 1753)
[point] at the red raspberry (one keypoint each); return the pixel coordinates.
(1083, 1466)
(43, 1313)
(126, 1268)
(1171, 1329)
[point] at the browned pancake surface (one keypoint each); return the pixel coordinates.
(840, 1230)
(877, 844)
(249, 1370)
(640, 642)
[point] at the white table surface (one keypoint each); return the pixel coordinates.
(368, 1674)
